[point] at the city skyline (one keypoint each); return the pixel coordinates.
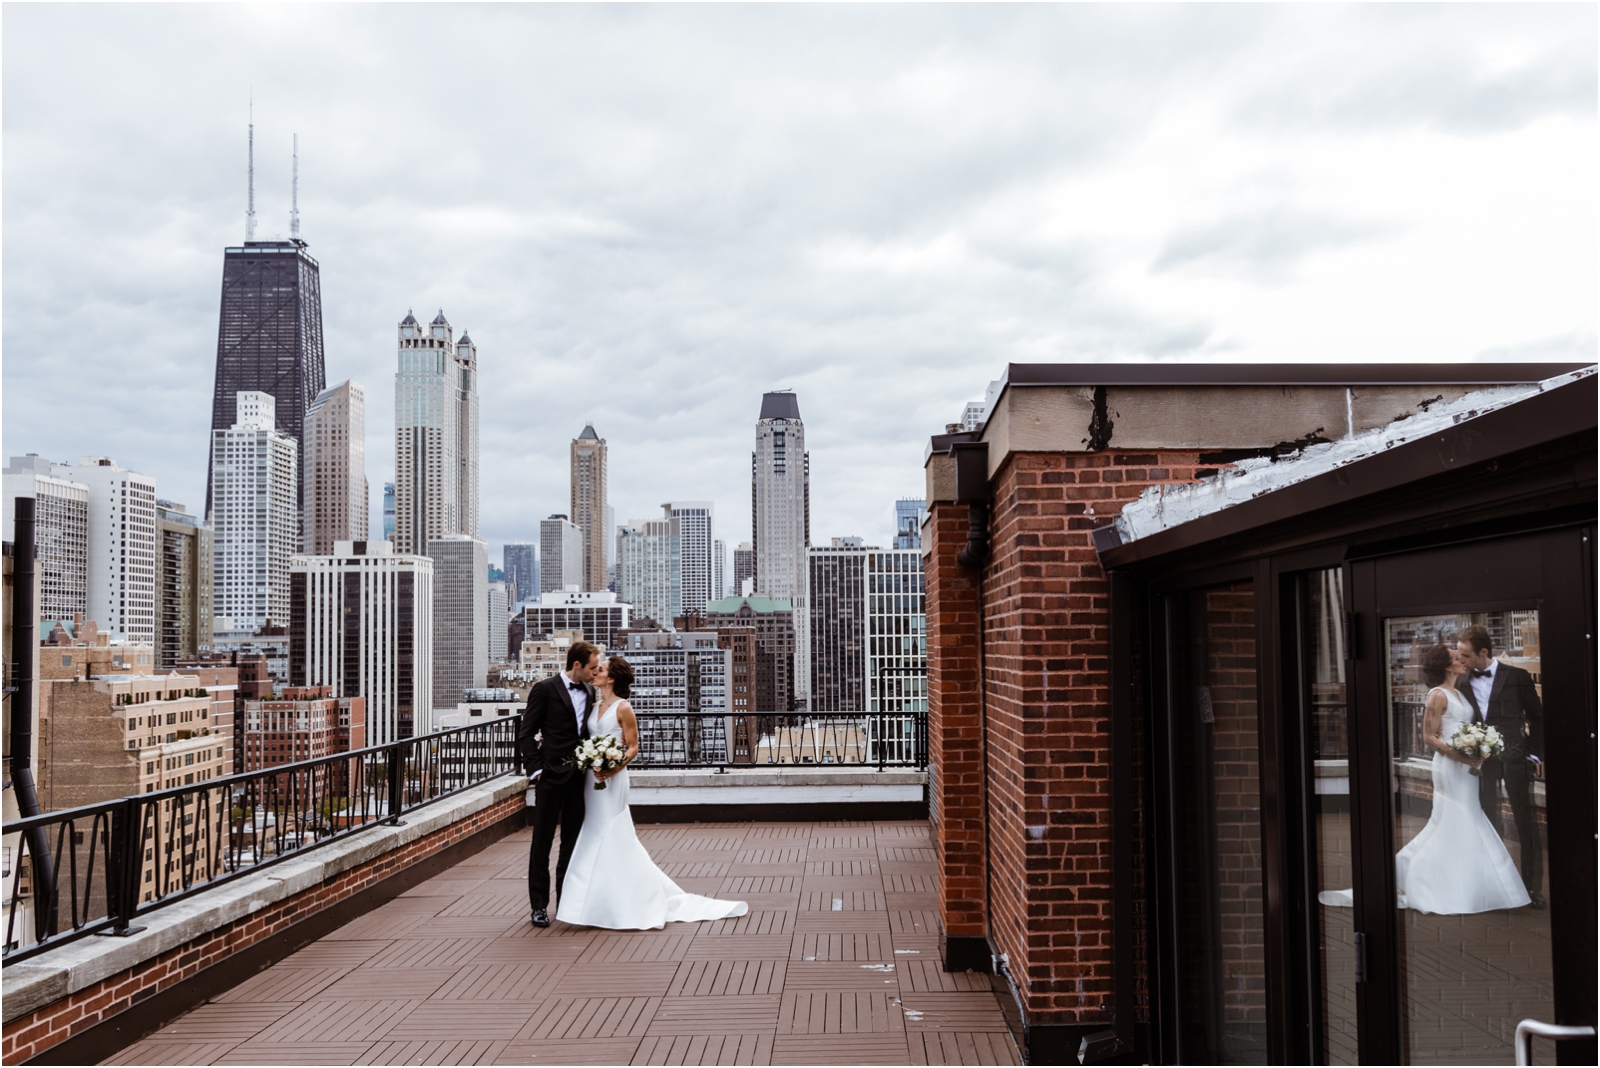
(660, 292)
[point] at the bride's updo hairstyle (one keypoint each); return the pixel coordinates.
(1435, 664)
(621, 673)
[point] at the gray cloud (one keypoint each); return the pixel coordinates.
(649, 215)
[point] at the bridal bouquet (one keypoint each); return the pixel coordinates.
(599, 754)
(1477, 740)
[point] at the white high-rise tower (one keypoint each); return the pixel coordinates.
(781, 518)
(436, 435)
(255, 497)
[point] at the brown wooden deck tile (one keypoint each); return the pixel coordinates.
(616, 947)
(842, 841)
(842, 975)
(888, 1048)
(792, 868)
(843, 922)
(974, 1011)
(217, 1022)
(705, 1049)
(921, 901)
(406, 906)
(768, 854)
(963, 1047)
(569, 1018)
(928, 974)
(708, 887)
(282, 984)
(434, 1051)
(335, 1020)
(857, 946)
(449, 884)
(761, 884)
(635, 979)
(568, 1051)
(842, 900)
(914, 921)
(466, 926)
(706, 978)
(823, 1012)
(691, 868)
(382, 984)
(377, 924)
(911, 884)
(512, 904)
(738, 947)
(334, 954)
(853, 867)
(461, 1019)
(429, 953)
(712, 841)
(733, 1015)
(764, 922)
(789, 900)
(501, 982)
(777, 831)
(903, 853)
(151, 1051)
(298, 1053)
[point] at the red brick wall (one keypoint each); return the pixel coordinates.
(29, 1035)
(1045, 605)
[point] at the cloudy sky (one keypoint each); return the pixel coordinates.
(647, 216)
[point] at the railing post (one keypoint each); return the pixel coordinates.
(396, 784)
(123, 865)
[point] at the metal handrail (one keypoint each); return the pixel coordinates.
(1528, 1028)
(117, 860)
(730, 742)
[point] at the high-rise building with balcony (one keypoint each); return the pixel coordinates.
(696, 553)
(269, 335)
(650, 568)
(61, 533)
(255, 501)
(589, 508)
(597, 615)
(897, 632)
(460, 617)
(781, 517)
(908, 515)
(184, 598)
(838, 625)
(719, 559)
(522, 572)
(334, 504)
(560, 554)
(436, 434)
(744, 568)
(362, 625)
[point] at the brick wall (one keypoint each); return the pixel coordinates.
(29, 1035)
(1045, 605)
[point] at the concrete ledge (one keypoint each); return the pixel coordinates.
(776, 786)
(33, 984)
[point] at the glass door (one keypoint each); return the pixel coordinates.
(1472, 805)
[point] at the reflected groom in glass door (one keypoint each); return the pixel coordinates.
(1504, 697)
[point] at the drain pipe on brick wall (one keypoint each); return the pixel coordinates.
(24, 649)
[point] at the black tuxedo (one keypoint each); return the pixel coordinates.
(545, 742)
(1513, 700)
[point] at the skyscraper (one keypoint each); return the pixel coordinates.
(362, 624)
(522, 572)
(255, 510)
(436, 434)
(781, 517)
(388, 511)
(460, 617)
(838, 626)
(589, 508)
(269, 332)
(560, 554)
(719, 559)
(897, 638)
(61, 530)
(696, 560)
(650, 568)
(333, 481)
(183, 586)
(908, 523)
(744, 567)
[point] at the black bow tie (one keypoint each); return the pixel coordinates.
(575, 686)
(1481, 673)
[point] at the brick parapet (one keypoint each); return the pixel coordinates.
(1047, 662)
(74, 1011)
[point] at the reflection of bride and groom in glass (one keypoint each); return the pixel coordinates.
(1458, 863)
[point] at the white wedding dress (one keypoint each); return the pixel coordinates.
(611, 880)
(1457, 863)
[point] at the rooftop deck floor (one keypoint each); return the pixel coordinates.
(836, 962)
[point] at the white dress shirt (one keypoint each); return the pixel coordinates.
(580, 699)
(1483, 686)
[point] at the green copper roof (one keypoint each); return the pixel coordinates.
(757, 603)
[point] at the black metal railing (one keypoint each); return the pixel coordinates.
(111, 862)
(850, 739)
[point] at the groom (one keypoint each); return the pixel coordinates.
(1501, 695)
(558, 714)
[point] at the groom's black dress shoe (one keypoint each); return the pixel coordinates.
(541, 918)
(1538, 902)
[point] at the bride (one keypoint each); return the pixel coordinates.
(1457, 863)
(611, 880)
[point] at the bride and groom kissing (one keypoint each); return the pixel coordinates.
(1458, 863)
(604, 874)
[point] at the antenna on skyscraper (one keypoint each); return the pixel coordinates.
(250, 209)
(294, 194)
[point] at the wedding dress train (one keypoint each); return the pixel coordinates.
(1457, 863)
(611, 880)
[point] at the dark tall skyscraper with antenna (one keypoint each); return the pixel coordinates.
(269, 335)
